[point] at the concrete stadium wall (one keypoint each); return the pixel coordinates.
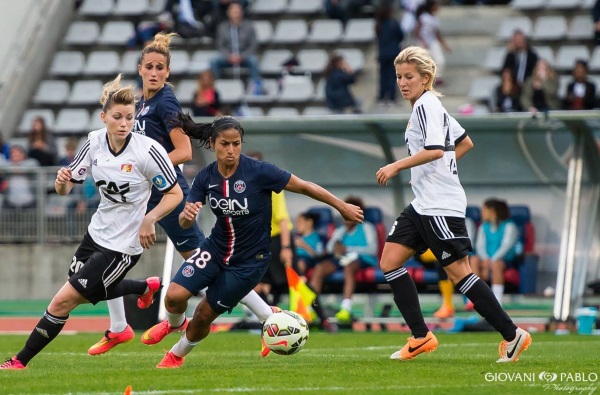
(32, 271)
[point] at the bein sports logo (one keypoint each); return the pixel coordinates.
(230, 207)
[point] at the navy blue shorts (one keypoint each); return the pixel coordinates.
(184, 239)
(227, 285)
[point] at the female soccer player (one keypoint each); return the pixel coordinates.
(155, 111)
(435, 219)
(233, 259)
(124, 166)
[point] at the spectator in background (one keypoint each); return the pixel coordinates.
(521, 58)
(338, 78)
(182, 14)
(581, 92)
(596, 17)
(540, 91)
(4, 148)
(507, 96)
(19, 188)
(70, 150)
(309, 244)
(237, 43)
(427, 31)
(389, 37)
(309, 250)
(497, 246)
(343, 10)
(409, 19)
(41, 144)
(206, 98)
(352, 246)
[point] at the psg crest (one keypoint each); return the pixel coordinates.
(144, 111)
(239, 186)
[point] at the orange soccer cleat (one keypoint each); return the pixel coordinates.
(160, 331)
(170, 361)
(415, 347)
(145, 300)
(444, 312)
(111, 340)
(510, 351)
(12, 364)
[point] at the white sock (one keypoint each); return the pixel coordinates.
(116, 311)
(175, 319)
(498, 290)
(258, 306)
(183, 346)
(347, 304)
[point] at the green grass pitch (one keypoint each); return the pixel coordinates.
(344, 363)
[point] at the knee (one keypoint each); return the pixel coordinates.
(174, 303)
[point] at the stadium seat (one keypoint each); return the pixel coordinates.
(290, 31)
(296, 89)
(129, 63)
(116, 33)
(494, 60)
(72, 120)
(180, 60)
(270, 92)
(482, 87)
(301, 7)
(283, 112)
(82, 33)
(272, 60)
(581, 28)
(269, 7)
(562, 4)
(51, 92)
(567, 54)
(97, 7)
(360, 31)
(131, 7)
(256, 111)
(325, 31)
(102, 63)
(157, 6)
(28, 116)
(264, 31)
(546, 53)
(85, 92)
(474, 212)
(201, 60)
(184, 91)
(95, 122)
(316, 110)
(594, 63)
(67, 63)
(312, 60)
(587, 4)
(354, 56)
(230, 91)
(320, 91)
(510, 24)
(528, 5)
(325, 225)
(550, 28)
(374, 215)
(563, 81)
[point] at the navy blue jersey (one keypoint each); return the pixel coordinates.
(153, 119)
(242, 205)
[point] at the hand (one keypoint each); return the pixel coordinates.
(147, 233)
(339, 249)
(286, 257)
(235, 59)
(384, 174)
(191, 210)
(352, 213)
(63, 176)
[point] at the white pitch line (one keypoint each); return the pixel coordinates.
(279, 389)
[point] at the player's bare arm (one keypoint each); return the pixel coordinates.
(189, 213)
(63, 184)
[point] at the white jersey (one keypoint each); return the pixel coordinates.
(124, 182)
(435, 184)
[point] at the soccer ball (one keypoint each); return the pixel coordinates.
(285, 332)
